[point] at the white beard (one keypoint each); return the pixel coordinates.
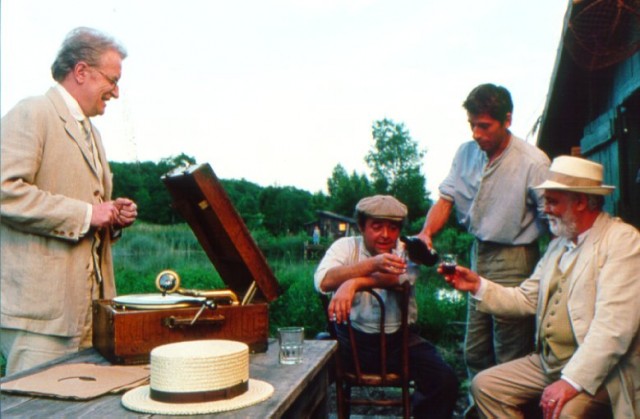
(564, 226)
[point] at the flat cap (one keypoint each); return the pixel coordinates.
(382, 206)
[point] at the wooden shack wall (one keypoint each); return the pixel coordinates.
(613, 137)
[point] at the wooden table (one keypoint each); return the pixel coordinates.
(300, 390)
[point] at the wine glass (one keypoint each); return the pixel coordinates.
(448, 261)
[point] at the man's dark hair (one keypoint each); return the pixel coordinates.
(362, 218)
(490, 99)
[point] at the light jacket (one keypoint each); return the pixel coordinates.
(604, 309)
(48, 178)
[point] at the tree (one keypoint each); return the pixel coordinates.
(345, 191)
(141, 181)
(244, 196)
(286, 209)
(396, 166)
(175, 162)
(319, 201)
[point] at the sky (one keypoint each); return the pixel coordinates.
(279, 92)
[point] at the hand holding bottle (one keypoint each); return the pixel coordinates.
(418, 251)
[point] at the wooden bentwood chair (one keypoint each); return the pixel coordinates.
(355, 377)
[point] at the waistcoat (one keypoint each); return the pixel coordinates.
(557, 341)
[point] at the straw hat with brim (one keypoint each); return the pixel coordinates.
(198, 377)
(574, 174)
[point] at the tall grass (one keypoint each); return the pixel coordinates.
(147, 249)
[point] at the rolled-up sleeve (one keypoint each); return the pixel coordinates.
(339, 253)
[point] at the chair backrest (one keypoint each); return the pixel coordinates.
(357, 377)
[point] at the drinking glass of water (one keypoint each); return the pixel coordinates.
(291, 340)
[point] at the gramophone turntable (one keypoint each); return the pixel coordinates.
(127, 328)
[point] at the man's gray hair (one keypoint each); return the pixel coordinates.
(594, 202)
(83, 44)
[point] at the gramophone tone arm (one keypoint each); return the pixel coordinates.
(211, 294)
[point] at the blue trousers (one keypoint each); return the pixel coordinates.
(436, 382)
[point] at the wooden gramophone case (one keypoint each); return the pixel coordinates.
(127, 336)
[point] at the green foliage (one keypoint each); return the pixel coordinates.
(145, 250)
(412, 191)
(454, 240)
(392, 153)
(439, 305)
(345, 191)
(280, 210)
(299, 305)
(441, 315)
(245, 197)
(394, 158)
(141, 182)
(286, 209)
(319, 201)
(289, 248)
(396, 163)
(415, 226)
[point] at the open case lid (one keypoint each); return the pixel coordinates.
(200, 198)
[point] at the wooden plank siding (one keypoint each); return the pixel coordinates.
(598, 113)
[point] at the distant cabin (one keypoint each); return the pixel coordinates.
(332, 227)
(593, 102)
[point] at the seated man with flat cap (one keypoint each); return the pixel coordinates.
(353, 264)
(585, 296)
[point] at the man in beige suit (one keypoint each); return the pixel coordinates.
(58, 219)
(585, 293)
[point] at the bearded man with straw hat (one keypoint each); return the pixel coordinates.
(584, 293)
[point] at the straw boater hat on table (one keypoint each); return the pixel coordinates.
(574, 174)
(198, 377)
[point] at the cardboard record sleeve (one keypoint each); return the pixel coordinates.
(126, 335)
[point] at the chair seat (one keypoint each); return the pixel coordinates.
(375, 380)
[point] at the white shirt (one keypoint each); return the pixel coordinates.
(365, 314)
(76, 112)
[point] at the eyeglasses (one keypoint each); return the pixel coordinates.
(111, 80)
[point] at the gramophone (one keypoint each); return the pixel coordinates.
(127, 328)
(168, 282)
(172, 295)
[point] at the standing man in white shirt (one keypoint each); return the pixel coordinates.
(58, 218)
(490, 185)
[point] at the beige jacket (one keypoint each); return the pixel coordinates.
(47, 181)
(604, 310)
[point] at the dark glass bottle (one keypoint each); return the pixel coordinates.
(418, 251)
